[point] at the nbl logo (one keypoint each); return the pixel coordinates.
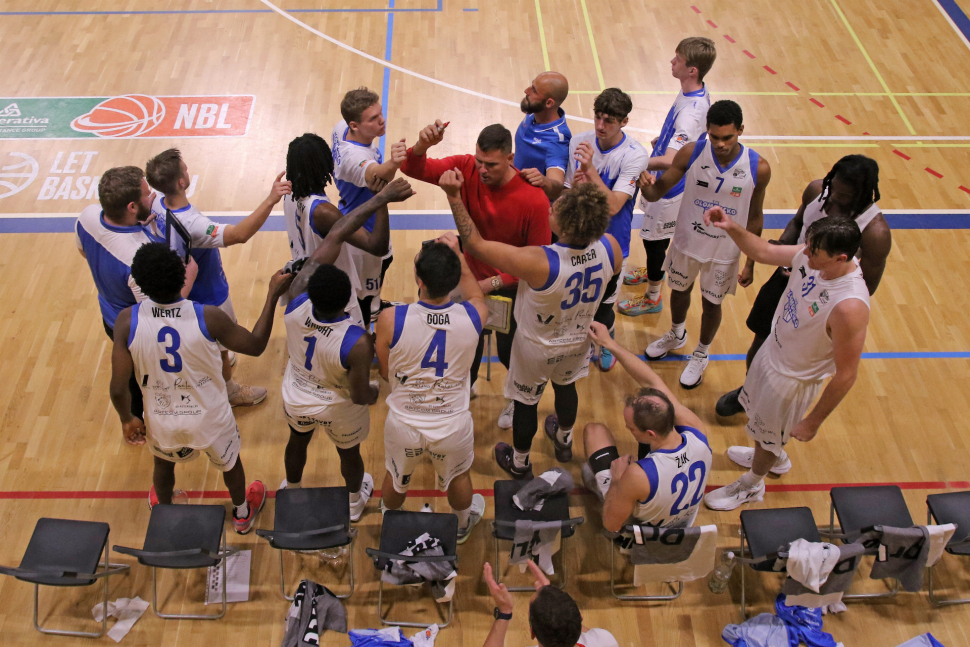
(131, 115)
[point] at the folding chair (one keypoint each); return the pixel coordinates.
(184, 537)
(616, 543)
(950, 507)
(312, 519)
(63, 552)
(397, 531)
(506, 514)
(860, 508)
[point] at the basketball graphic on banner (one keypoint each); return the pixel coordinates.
(131, 115)
(17, 173)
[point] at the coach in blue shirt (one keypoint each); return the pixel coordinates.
(542, 140)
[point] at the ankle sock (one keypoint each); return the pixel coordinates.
(241, 511)
(520, 460)
(679, 329)
(564, 436)
(702, 348)
(750, 480)
(653, 292)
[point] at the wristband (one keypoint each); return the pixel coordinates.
(498, 615)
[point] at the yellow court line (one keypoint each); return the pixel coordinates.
(542, 38)
(872, 66)
(931, 145)
(592, 45)
(673, 92)
(890, 94)
(818, 145)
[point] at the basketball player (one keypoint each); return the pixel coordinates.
(172, 345)
(684, 124)
(326, 380)
(819, 330)
(168, 174)
(611, 161)
(358, 172)
(719, 171)
(107, 236)
(560, 288)
(426, 350)
(542, 139)
(310, 216)
(666, 487)
(850, 190)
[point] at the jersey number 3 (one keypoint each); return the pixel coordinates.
(435, 355)
(170, 336)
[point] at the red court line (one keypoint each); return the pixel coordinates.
(435, 494)
(963, 188)
(750, 55)
(769, 69)
(932, 172)
(792, 86)
(712, 24)
(817, 102)
(695, 9)
(729, 39)
(843, 119)
(903, 155)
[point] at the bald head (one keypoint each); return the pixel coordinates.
(553, 85)
(544, 96)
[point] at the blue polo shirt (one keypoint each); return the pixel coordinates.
(542, 146)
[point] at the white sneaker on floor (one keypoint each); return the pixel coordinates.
(246, 396)
(667, 343)
(744, 456)
(734, 496)
(693, 374)
(505, 418)
(477, 511)
(366, 489)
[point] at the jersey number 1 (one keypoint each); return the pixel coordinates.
(435, 356)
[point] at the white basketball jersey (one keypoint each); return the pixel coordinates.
(316, 375)
(558, 314)
(800, 346)
(677, 480)
(432, 352)
(707, 185)
(814, 211)
(179, 368)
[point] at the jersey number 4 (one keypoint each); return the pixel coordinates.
(681, 482)
(579, 285)
(435, 355)
(170, 336)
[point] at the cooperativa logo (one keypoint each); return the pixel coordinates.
(10, 111)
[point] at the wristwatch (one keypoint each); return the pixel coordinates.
(501, 616)
(496, 282)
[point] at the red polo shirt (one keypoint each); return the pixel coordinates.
(516, 213)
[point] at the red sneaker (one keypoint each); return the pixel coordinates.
(152, 498)
(255, 497)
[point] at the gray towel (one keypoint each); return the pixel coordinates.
(549, 483)
(535, 540)
(663, 545)
(839, 580)
(902, 555)
(439, 574)
(305, 620)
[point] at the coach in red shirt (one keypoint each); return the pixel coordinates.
(503, 206)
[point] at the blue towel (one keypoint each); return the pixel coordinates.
(763, 630)
(804, 625)
(373, 638)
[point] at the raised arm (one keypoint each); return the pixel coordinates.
(468, 286)
(528, 263)
(754, 247)
(614, 198)
(654, 188)
(377, 175)
(756, 217)
(248, 226)
(236, 338)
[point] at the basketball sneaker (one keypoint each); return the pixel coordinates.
(607, 360)
(744, 456)
(255, 497)
(477, 511)
(366, 490)
(728, 405)
(670, 341)
(503, 456)
(640, 306)
(564, 452)
(246, 396)
(693, 374)
(635, 277)
(734, 496)
(505, 418)
(152, 498)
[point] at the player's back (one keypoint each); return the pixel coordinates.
(432, 351)
(316, 374)
(685, 122)
(179, 367)
(350, 158)
(558, 314)
(677, 481)
(298, 215)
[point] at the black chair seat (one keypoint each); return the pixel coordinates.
(309, 509)
(862, 507)
(770, 531)
(184, 527)
(554, 509)
(400, 527)
(952, 507)
(64, 545)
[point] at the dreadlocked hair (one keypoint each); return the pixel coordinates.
(309, 165)
(862, 173)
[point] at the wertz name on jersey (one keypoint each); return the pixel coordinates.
(166, 312)
(436, 319)
(324, 330)
(584, 258)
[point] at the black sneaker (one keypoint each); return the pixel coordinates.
(564, 453)
(728, 405)
(503, 456)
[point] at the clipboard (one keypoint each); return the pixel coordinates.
(499, 313)
(177, 236)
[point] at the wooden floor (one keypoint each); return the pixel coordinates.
(889, 69)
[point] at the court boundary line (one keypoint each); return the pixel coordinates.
(956, 17)
(439, 8)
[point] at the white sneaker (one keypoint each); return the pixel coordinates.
(693, 374)
(477, 511)
(670, 341)
(505, 418)
(597, 486)
(744, 456)
(734, 495)
(366, 489)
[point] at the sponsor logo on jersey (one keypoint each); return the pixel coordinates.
(813, 309)
(736, 192)
(791, 313)
(682, 138)
(707, 204)
(699, 228)
(720, 277)
(211, 230)
(546, 320)
(522, 387)
(184, 452)
(536, 140)
(401, 377)
(705, 167)
(739, 174)
(703, 183)
(164, 400)
(823, 297)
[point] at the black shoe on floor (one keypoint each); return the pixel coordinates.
(728, 405)
(564, 453)
(503, 456)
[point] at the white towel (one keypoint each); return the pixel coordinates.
(939, 536)
(698, 565)
(809, 563)
(126, 610)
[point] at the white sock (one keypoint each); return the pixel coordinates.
(782, 458)
(242, 511)
(355, 496)
(702, 348)
(653, 292)
(679, 329)
(520, 460)
(463, 516)
(750, 480)
(293, 486)
(564, 436)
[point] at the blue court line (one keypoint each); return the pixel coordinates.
(739, 357)
(214, 11)
(386, 87)
(956, 14)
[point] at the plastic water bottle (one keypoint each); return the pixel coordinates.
(426, 508)
(721, 574)
(179, 497)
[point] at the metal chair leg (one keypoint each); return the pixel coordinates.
(940, 602)
(488, 358)
(633, 598)
(744, 608)
(394, 623)
(859, 596)
(176, 616)
(341, 597)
